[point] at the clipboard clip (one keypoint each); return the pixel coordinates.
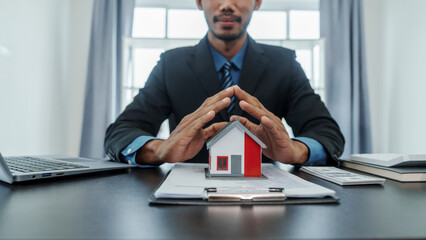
(244, 194)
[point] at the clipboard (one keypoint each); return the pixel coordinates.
(233, 202)
(244, 194)
(203, 202)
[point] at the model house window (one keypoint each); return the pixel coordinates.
(160, 25)
(222, 163)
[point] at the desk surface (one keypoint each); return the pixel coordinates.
(114, 206)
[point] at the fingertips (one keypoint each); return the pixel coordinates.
(252, 110)
(267, 122)
(213, 129)
(249, 125)
(210, 113)
(198, 123)
(238, 89)
(228, 92)
(234, 117)
(218, 126)
(218, 97)
(244, 104)
(231, 89)
(226, 100)
(208, 116)
(239, 92)
(222, 104)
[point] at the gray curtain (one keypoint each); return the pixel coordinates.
(342, 27)
(111, 20)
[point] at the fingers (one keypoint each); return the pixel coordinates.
(252, 110)
(272, 127)
(197, 125)
(226, 93)
(217, 107)
(259, 112)
(249, 125)
(250, 104)
(267, 123)
(234, 117)
(189, 136)
(216, 102)
(244, 96)
(197, 121)
(213, 129)
(278, 131)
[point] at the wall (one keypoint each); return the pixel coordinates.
(42, 77)
(396, 55)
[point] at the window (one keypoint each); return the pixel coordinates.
(159, 25)
(222, 163)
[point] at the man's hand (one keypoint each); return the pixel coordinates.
(271, 131)
(189, 136)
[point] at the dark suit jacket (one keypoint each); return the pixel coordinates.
(185, 77)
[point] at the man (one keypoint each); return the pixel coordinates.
(265, 84)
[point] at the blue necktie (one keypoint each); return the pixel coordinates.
(226, 83)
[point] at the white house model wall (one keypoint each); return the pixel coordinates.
(233, 144)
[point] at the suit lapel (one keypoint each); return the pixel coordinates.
(254, 66)
(202, 65)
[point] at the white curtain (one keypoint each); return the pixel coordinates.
(111, 20)
(345, 71)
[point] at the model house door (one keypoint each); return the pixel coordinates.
(235, 164)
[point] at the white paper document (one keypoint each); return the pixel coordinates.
(189, 181)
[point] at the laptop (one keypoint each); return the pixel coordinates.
(28, 168)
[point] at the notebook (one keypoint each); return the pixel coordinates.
(402, 174)
(28, 168)
(391, 159)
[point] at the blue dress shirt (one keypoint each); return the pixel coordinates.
(317, 154)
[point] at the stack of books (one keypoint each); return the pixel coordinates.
(399, 167)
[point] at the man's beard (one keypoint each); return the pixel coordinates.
(227, 37)
(230, 37)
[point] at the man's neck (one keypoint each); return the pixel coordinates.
(228, 49)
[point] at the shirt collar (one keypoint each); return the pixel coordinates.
(220, 60)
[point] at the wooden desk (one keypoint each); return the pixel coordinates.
(114, 206)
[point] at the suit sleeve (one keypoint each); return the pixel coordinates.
(142, 117)
(309, 117)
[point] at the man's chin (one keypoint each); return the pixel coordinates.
(228, 37)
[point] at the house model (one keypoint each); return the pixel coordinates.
(235, 152)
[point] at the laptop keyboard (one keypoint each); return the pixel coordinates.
(34, 164)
